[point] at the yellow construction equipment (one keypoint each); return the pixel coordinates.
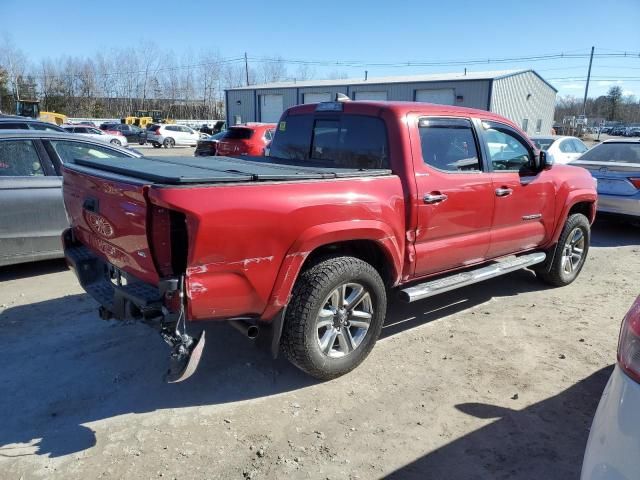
(31, 108)
(142, 118)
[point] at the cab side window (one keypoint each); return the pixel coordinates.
(449, 145)
(506, 150)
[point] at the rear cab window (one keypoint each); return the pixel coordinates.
(340, 141)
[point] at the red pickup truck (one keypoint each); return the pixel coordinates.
(302, 248)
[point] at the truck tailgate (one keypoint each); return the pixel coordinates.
(110, 217)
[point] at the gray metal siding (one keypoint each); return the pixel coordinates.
(509, 99)
(475, 94)
(246, 108)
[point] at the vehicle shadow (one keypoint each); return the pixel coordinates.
(403, 316)
(612, 232)
(65, 368)
(28, 270)
(523, 444)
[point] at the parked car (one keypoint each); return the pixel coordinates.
(615, 164)
(618, 131)
(247, 139)
(108, 125)
(217, 127)
(561, 149)
(208, 147)
(32, 216)
(357, 201)
(632, 132)
(132, 132)
(614, 439)
(170, 136)
(114, 139)
(10, 122)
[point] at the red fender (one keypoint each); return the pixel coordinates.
(325, 234)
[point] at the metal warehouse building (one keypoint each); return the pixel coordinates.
(520, 95)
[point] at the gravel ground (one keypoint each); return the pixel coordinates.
(497, 380)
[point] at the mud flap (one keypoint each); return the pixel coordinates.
(184, 363)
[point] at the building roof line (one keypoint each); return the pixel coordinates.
(424, 78)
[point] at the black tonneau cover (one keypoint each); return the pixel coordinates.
(189, 170)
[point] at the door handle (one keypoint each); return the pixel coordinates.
(435, 198)
(503, 192)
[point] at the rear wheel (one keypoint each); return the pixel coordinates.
(169, 143)
(115, 141)
(335, 316)
(570, 252)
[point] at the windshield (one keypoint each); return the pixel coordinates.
(614, 152)
(343, 141)
(543, 143)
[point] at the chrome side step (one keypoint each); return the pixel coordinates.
(457, 280)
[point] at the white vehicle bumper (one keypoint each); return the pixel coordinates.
(613, 448)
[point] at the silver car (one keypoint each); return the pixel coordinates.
(615, 164)
(32, 216)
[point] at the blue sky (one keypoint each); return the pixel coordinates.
(366, 31)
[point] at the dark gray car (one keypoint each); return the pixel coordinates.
(32, 214)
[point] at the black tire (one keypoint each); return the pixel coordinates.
(301, 338)
(561, 273)
(116, 142)
(169, 143)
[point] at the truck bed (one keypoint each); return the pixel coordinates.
(207, 170)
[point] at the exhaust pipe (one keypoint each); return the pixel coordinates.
(246, 328)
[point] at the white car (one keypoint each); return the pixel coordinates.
(170, 136)
(613, 447)
(97, 134)
(561, 148)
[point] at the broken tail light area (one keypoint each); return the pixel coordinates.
(629, 342)
(168, 244)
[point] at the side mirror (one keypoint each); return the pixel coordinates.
(542, 161)
(546, 160)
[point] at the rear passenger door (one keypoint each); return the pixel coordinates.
(32, 213)
(455, 195)
(524, 199)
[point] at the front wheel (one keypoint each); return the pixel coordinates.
(570, 252)
(335, 316)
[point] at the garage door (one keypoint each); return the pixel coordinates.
(316, 97)
(271, 107)
(377, 96)
(442, 96)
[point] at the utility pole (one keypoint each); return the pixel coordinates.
(586, 87)
(246, 67)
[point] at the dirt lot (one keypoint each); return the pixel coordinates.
(498, 380)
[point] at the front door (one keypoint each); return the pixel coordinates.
(524, 198)
(455, 196)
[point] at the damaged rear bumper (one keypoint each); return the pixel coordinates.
(120, 295)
